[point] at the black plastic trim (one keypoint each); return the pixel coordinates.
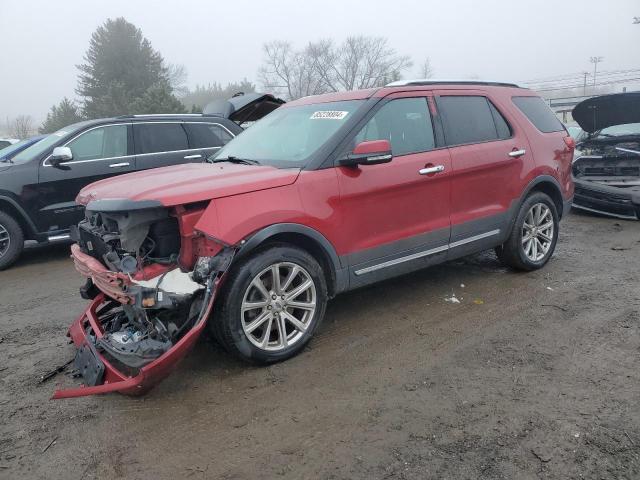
(22, 212)
(339, 269)
(121, 204)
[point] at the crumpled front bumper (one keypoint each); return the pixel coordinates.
(612, 201)
(86, 330)
(114, 380)
(114, 284)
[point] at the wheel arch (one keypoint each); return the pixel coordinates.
(549, 185)
(308, 239)
(11, 207)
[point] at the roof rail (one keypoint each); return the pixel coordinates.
(162, 115)
(431, 81)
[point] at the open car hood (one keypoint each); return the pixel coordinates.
(244, 107)
(605, 111)
(183, 184)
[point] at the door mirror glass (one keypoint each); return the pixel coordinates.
(370, 152)
(60, 155)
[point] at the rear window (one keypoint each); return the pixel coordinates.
(471, 119)
(159, 137)
(539, 113)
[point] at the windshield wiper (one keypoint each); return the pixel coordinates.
(233, 159)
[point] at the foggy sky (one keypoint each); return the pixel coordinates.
(515, 40)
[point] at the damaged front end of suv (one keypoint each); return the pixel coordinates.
(152, 280)
(606, 168)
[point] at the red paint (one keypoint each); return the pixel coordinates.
(372, 146)
(188, 183)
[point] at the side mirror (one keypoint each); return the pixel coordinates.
(60, 155)
(368, 153)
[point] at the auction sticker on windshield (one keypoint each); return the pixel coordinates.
(329, 115)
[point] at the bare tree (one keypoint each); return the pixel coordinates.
(288, 71)
(426, 70)
(177, 74)
(359, 62)
(21, 126)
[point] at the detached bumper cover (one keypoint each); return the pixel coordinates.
(100, 374)
(613, 201)
(113, 380)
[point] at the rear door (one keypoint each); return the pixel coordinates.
(488, 154)
(162, 143)
(98, 152)
(207, 137)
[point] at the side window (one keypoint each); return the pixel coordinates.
(206, 135)
(539, 113)
(405, 122)
(502, 127)
(159, 137)
(103, 142)
(467, 119)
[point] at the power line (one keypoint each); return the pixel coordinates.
(579, 85)
(574, 76)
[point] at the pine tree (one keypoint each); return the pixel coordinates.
(121, 72)
(60, 116)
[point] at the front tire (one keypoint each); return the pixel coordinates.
(534, 234)
(271, 305)
(11, 240)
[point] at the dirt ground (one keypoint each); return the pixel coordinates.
(531, 375)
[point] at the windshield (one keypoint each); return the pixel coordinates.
(620, 130)
(40, 147)
(8, 152)
(289, 135)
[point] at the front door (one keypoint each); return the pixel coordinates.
(98, 152)
(396, 215)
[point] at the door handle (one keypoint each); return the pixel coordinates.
(428, 170)
(119, 165)
(191, 157)
(517, 153)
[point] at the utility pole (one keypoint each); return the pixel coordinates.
(595, 61)
(584, 86)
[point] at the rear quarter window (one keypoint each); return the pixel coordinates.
(539, 113)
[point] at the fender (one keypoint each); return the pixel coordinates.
(545, 179)
(21, 211)
(515, 206)
(337, 265)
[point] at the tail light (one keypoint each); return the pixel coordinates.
(571, 143)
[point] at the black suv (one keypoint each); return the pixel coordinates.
(38, 186)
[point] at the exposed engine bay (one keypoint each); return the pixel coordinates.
(609, 164)
(150, 301)
(607, 178)
(606, 167)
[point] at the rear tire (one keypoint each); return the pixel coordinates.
(11, 240)
(534, 235)
(262, 320)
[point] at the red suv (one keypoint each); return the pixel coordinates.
(326, 194)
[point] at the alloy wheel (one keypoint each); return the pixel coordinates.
(278, 306)
(5, 240)
(537, 232)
